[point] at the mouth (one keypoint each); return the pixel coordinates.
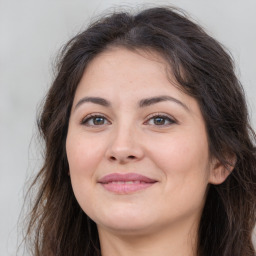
(125, 183)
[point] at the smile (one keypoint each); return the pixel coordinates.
(126, 183)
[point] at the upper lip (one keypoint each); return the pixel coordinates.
(125, 177)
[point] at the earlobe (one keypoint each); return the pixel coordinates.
(219, 172)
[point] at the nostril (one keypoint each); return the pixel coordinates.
(122, 158)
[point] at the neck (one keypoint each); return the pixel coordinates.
(170, 241)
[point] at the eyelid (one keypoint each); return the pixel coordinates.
(153, 115)
(163, 115)
(93, 115)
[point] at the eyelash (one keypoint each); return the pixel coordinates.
(165, 117)
(92, 117)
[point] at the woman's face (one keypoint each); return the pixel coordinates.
(137, 145)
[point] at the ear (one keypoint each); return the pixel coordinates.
(220, 172)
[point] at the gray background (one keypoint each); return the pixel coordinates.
(31, 32)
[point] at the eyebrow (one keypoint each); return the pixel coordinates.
(95, 100)
(142, 103)
(150, 101)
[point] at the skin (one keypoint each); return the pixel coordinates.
(173, 150)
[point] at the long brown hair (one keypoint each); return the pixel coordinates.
(203, 69)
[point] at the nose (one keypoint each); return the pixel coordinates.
(124, 146)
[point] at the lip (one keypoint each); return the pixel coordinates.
(126, 183)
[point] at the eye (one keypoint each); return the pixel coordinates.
(160, 120)
(95, 120)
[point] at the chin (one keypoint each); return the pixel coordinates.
(126, 224)
(126, 228)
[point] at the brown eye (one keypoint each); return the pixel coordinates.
(95, 121)
(160, 120)
(98, 120)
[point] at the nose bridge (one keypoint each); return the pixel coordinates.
(124, 145)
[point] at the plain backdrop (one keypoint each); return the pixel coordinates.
(32, 32)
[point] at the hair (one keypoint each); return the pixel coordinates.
(204, 70)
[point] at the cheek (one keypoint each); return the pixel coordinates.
(183, 158)
(83, 154)
(185, 164)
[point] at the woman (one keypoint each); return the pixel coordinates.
(148, 148)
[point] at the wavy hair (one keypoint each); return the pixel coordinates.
(204, 70)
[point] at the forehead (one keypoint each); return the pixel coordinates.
(118, 67)
(124, 77)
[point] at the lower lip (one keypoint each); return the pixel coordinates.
(126, 188)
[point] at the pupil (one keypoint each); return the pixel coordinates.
(98, 120)
(159, 120)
